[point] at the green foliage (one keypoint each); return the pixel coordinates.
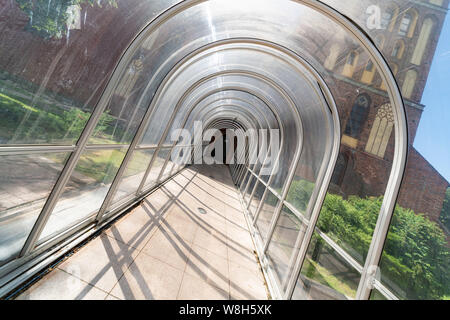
(350, 222)
(49, 18)
(445, 214)
(18, 122)
(101, 165)
(416, 257)
(299, 194)
(76, 119)
(22, 123)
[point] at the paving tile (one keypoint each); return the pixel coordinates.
(169, 249)
(239, 238)
(59, 285)
(242, 256)
(135, 229)
(187, 240)
(209, 267)
(101, 262)
(157, 201)
(246, 284)
(212, 240)
(193, 288)
(148, 279)
(180, 227)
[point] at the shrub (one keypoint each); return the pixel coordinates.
(299, 194)
(445, 214)
(416, 257)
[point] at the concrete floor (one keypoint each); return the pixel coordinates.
(188, 240)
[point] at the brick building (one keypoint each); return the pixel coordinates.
(407, 36)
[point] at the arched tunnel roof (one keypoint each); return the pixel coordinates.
(151, 68)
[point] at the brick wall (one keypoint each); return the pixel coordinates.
(423, 188)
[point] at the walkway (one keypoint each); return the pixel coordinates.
(187, 240)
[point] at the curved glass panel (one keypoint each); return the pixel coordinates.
(256, 200)
(284, 245)
(52, 71)
(91, 93)
(133, 174)
(413, 36)
(268, 207)
(21, 203)
(158, 163)
(85, 191)
(325, 275)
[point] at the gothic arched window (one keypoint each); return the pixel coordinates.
(350, 64)
(381, 131)
(422, 42)
(408, 23)
(404, 25)
(409, 83)
(399, 49)
(358, 116)
(369, 73)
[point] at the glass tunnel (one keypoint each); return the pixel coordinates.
(351, 199)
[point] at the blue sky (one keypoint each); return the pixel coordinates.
(433, 136)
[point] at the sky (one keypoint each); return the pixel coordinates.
(433, 135)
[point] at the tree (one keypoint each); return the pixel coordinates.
(50, 18)
(445, 213)
(416, 257)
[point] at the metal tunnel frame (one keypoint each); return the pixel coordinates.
(34, 255)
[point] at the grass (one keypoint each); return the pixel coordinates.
(315, 271)
(22, 123)
(17, 102)
(102, 165)
(25, 124)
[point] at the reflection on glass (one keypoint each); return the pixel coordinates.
(24, 120)
(133, 174)
(416, 258)
(350, 222)
(246, 176)
(325, 275)
(23, 195)
(119, 123)
(377, 295)
(56, 59)
(284, 244)
(155, 129)
(168, 170)
(299, 194)
(85, 191)
(266, 213)
(242, 175)
(158, 163)
(415, 263)
(256, 200)
(250, 188)
(42, 100)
